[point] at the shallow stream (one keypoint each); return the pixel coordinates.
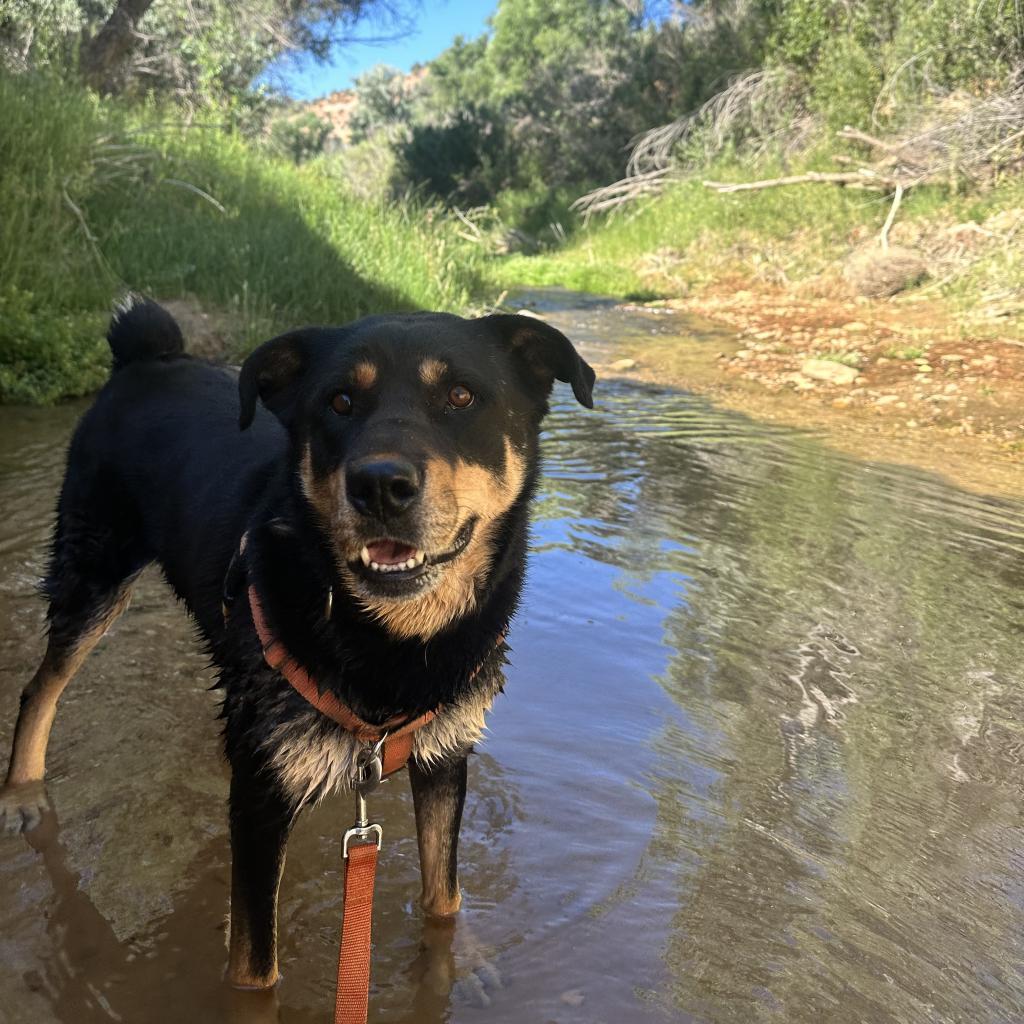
(759, 757)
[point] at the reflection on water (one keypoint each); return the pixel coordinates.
(759, 758)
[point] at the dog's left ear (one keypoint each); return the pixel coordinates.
(272, 374)
(548, 353)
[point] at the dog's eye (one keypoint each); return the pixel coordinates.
(341, 404)
(460, 397)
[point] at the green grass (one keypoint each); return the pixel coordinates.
(95, 198)
(904, 353)
(608, 257)
(853, 359)
(690, 237)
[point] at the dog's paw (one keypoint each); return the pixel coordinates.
(454, 963)
(22, 807)
(252, 1006)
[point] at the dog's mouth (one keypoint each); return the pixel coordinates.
(391, 556)
(389, 564)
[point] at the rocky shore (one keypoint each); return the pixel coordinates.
(901, 380)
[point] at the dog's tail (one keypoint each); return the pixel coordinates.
(141, 331)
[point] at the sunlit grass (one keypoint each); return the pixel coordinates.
(691, 237)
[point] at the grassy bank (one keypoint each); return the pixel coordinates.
(692, 239)
(96, 198)
(932, 375)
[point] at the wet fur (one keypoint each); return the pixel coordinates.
(159, 471)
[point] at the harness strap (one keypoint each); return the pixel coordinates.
(398, 730)
(351, 1004)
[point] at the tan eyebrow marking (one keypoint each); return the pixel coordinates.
(365, 374)
(431, 371)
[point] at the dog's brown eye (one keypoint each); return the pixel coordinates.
(341, 404)
(460, 397)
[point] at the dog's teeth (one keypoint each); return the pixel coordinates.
(410, 563)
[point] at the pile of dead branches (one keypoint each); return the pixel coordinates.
(961, 139)
(757, 111)
(969, 140)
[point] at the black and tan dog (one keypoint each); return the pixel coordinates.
(377, 509)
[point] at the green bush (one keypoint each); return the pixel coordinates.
(459, 160)
(46, 355)
(300, 137)
(536, 208)
(847, 51)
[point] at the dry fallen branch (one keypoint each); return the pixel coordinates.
(627, 190)
(856, 135)
(865, 178)
(757, 110)
(883, 238)
(967, 139)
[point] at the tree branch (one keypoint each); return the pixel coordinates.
(864, 178)
(883, 238)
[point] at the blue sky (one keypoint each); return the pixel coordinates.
(434, 24)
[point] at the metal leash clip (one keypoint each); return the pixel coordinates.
(369, 772)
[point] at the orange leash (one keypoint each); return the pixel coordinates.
(352, 1001)
(359, 848)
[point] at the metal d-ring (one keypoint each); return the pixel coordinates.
(369, 768)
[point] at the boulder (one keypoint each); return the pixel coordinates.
(826, 370)
(877, 273)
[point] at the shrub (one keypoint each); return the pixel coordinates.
(300, 137)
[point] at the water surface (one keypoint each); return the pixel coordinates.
(759, 757)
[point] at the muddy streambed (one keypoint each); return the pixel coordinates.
(759, 757)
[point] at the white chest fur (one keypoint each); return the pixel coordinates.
(312, 756)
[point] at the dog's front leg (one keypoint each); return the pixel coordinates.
(261, 819)
(438, 794)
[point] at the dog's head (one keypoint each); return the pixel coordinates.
(413, 436)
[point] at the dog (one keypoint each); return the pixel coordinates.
(345, 519)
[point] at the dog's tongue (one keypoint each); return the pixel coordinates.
(390, 552)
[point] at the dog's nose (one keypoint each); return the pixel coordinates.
(384, 488)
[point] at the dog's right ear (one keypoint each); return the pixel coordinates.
(272, 374)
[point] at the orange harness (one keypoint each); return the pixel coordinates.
(396, 733)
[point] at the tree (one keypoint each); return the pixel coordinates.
(299, 137)
(548, 98)
(103, 54)
(202, 51)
